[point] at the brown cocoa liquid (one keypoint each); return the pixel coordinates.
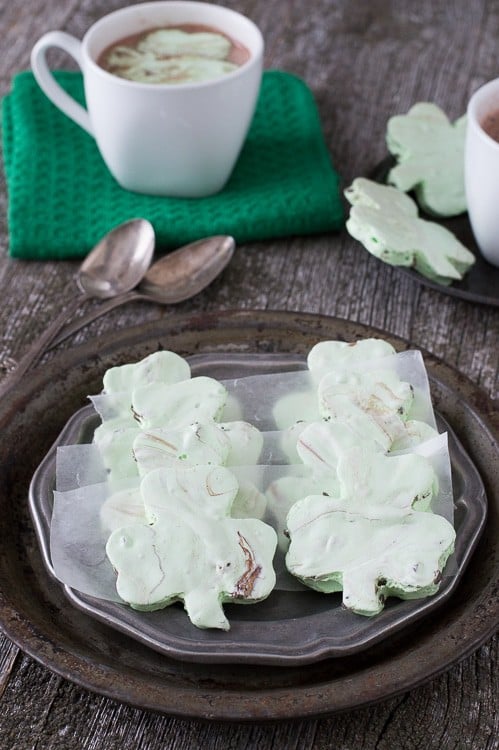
(491, 124)
(238, 54)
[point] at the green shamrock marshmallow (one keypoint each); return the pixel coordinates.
(430, 154)
(371, 535)
(369, 553)
(385, 220)
(190, 549)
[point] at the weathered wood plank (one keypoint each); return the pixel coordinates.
(8, 655)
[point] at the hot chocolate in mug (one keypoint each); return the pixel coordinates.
(176, 138)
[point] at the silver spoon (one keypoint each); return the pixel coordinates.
(173, 278)
(115, 266)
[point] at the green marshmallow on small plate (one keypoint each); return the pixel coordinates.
(373, 534)
(346, 464)
(385, 220)
(114, 440)
(380, 392)
(374, 404)
(217, 444)
(354, 468)
(190, 549)
(430, 153)
(245, 442)
(368, 553)
(158, 367)
(333, 355)
(193, 445)
(180, 404)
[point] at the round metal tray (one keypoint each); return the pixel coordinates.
(289, 627)
(37, 616)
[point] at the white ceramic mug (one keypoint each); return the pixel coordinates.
(160, 139)
(481, 172)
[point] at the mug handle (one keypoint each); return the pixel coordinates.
(47, 82)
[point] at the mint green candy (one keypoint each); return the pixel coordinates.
(190, 549)
(333, 355)
(368, 553)
(430, 153)
(385, 220)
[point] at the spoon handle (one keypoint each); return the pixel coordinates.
(41, 345)
(93, 314)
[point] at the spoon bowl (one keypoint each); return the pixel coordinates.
(185, 272)
(175, 277)
(118, 262)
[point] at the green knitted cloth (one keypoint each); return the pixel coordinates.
(62, 199)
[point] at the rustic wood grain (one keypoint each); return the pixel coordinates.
(364, 61)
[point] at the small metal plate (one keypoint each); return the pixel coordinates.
(290, 627)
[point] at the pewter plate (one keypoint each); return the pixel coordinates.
(290, 627)
(37, 616)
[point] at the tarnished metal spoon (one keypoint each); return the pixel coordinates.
(173, 278)
(115, 266)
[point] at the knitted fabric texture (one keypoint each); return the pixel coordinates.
(62, 199)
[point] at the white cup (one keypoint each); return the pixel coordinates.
(160, 139)
(481, 172)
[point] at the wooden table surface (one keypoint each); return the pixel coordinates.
(364, 61)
